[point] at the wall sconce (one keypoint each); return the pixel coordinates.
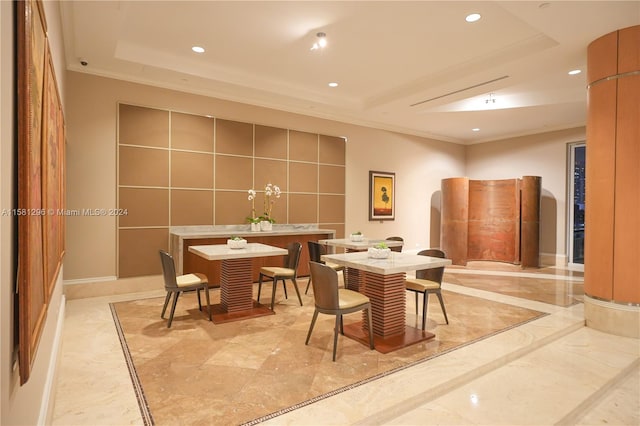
(321, 42)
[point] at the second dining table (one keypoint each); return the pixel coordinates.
(236, 286)
(383, 281)
(353, 277)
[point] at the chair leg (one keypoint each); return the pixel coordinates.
(444, 311)
(308, 285)
(284, 285)
(295, 286)
(206, 293)
(425, 303)
(273, 292)
(370, 326)
(341, 325)
(335, 335)
(199, 300)
(313, 322)
(166, 302)
(416, 293)
(259, 286)
(173, 308)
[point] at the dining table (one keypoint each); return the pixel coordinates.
(353, 277)
(383, 282)
(236, 286)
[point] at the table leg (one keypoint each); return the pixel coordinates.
(236, 289)
(236, 293)
(353, 277)
(388, 309)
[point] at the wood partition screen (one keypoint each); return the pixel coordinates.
(495, 220)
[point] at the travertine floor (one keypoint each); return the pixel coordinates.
(546, 371)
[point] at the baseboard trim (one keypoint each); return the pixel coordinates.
(46, 407)
(90, 280)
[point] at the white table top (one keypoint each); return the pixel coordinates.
(222, 251)
(358, 245)
(397, 262)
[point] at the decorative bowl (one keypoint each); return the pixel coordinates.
(377, 253)
(356, 237)
(237, 244)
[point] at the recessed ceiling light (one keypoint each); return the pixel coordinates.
(198, 49)
(473, 17)
(333, 84)
(475, 129)
(574, 72)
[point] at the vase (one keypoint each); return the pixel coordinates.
(255, 226)
(265, 225)
(376, 253)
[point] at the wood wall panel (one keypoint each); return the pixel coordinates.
(486, 220)
(530, 190)
(233, 172)
(629, 50)
(332, 150)
(303, 208)
(599, 196)
(191, 170)
(269, 171)
(145, 207)
(493, 215)
(138, 254)
(143, 166)
(191, 207)
(192, 132)
(200, 171)
(626, 266)
(332, 179)
(143, 126)
(270, 142)
(331, 208)
(304, 177)
(455, 214)
(234, 137)
(303, 146)
(602, 57)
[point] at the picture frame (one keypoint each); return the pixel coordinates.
(382, 195)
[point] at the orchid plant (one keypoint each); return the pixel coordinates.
(271, 194)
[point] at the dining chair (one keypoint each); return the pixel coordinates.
(316, 250)
(331, 300)
(177, 284)
(288, 271)
(397, 248)
(428, 281)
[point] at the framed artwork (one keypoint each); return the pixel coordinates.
(382, 195)
(32, 291)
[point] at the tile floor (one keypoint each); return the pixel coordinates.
(546, 371)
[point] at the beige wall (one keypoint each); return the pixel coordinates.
(544, 155)
(28, 404)
(419, 165)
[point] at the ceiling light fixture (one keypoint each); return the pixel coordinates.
(333, 84)
(473, 17)
(491, 99)
(321, 42)
(574, 72)
(475, 129)
(198, 49)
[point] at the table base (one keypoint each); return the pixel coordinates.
(220, 315)
(386, 344)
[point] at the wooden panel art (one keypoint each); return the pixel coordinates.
(41, 136)
(495, 220)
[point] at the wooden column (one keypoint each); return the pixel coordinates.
(530, 191)
(455, 219)
(612, 228)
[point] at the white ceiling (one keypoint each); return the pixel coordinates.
(415, 67)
